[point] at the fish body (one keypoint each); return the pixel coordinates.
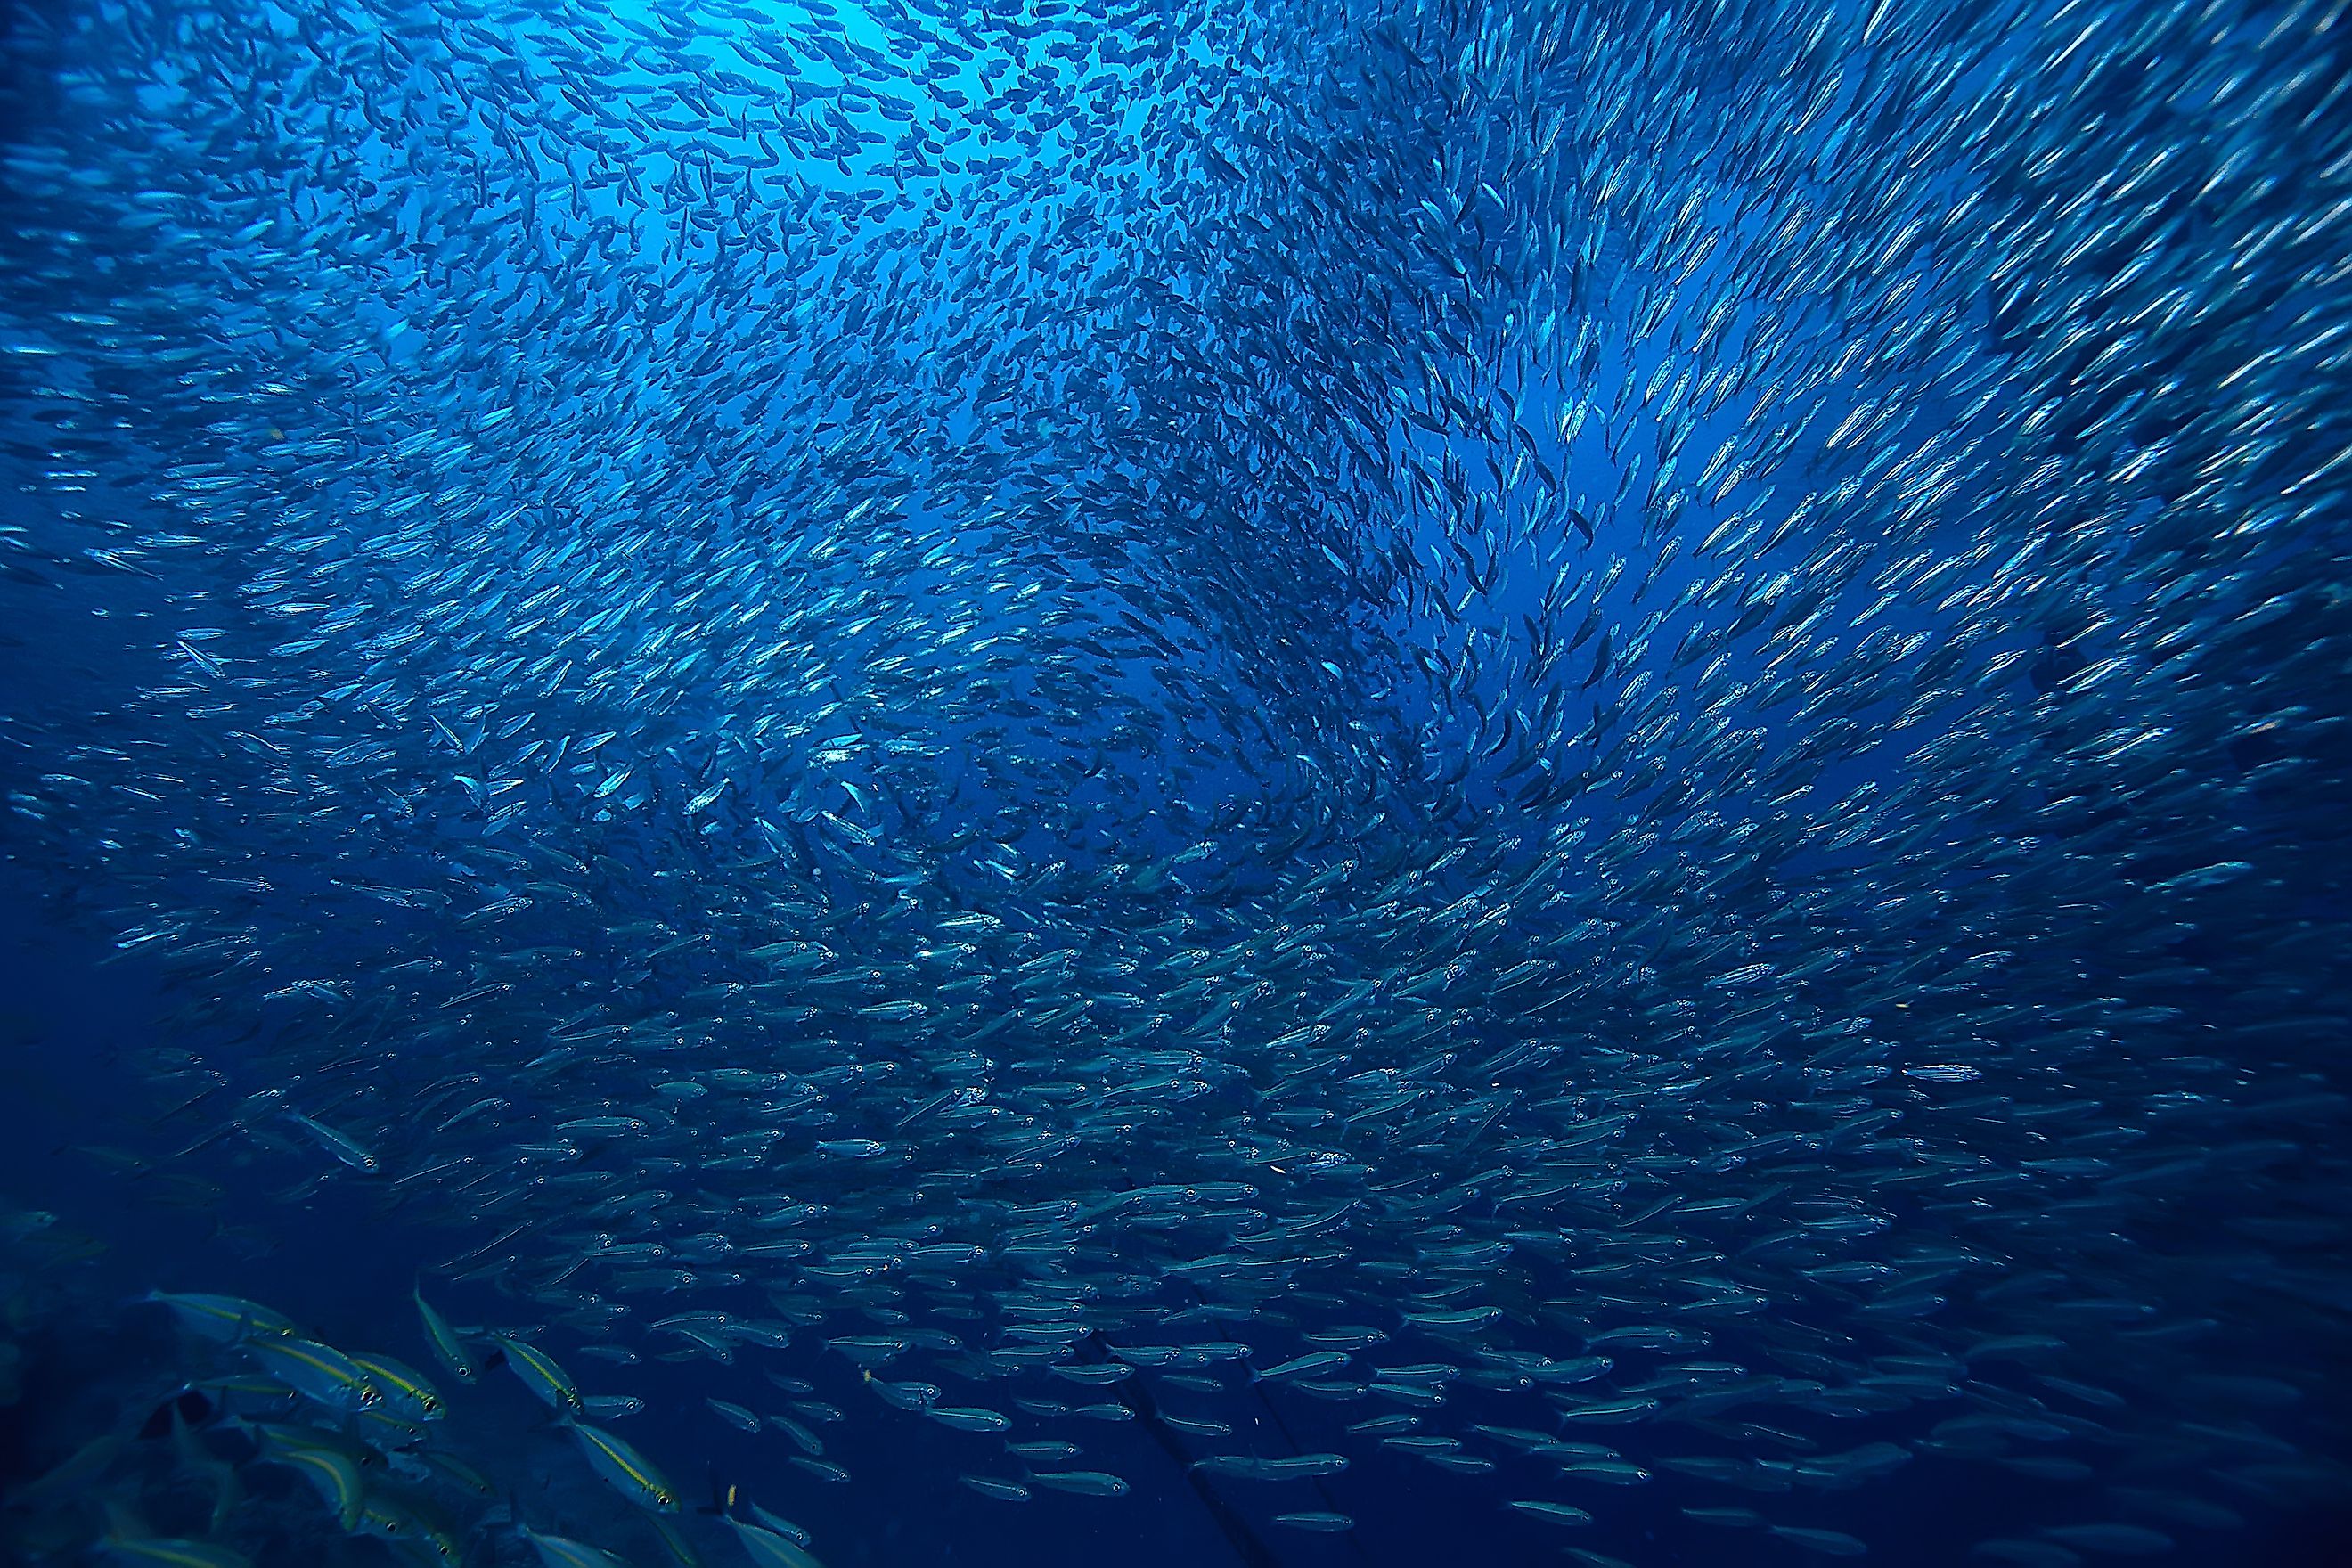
(735, 1416)
(341, 1145)
(338, 1477)
(225, 1319)
(995, 1487)
(623, 1468)
(165, 1551)
(408, 1518)
(559, 1551)
(320, 1373)
(405, 1392)
(1080, 1483)
(1315, 1364)
(769, 1549)
(1320, 1521)
(541, 1374)
(448, 1349)
(968, 1418)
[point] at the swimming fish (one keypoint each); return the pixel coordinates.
(627, 1471)
(769, 1549)
(448, 1349)
(318, 1371)
(541, 1374)
(225, 1319)
(1596, 746)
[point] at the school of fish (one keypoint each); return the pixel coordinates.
(1612, 736)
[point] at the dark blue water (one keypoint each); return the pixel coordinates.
(1636, 711)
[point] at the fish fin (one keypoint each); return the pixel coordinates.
(227, 1498)
(158, 1423)
(723, 1497)
(123, 1524)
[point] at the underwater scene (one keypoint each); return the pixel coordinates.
(1308, 784)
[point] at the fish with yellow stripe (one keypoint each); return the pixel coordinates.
(541, 1374)
(127, 1541)
(328, 1466)
(627, 1471)
(318, 1371)
(226, 1320)
(556, 1552)
(409, 1522)
(405, 1392)
(449, 1348)
(769, 1549)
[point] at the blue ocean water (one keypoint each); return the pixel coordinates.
(1295, 784)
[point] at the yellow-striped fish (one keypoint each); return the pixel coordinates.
(317, 1372)
(770, 1550)
(223, 1319)
(277, 1437)
(128, 1539)
(387, 1428)
(447, 1348)
(406, 1517)
(164, 1552)
(674, 1542)
(456, 1469)
(555, 1551)
(627, 1471)
(337, 1478)
(541, 1374)
(404, 1390)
